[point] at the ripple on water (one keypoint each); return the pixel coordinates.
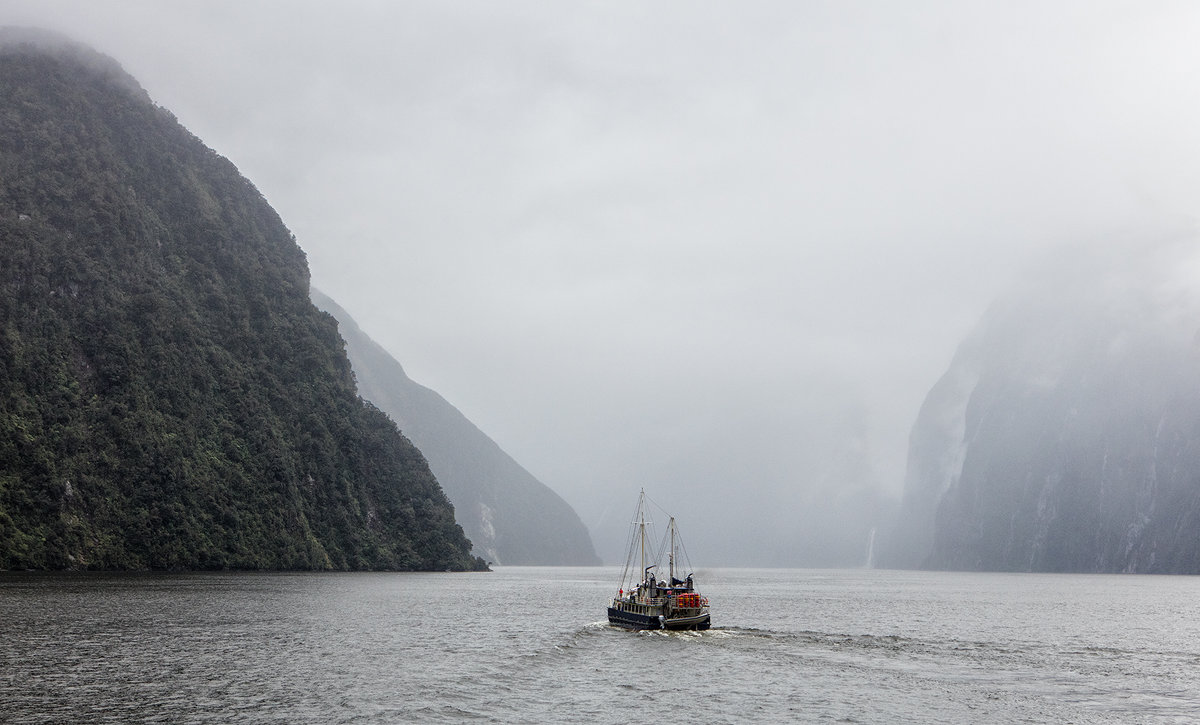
(325, 649)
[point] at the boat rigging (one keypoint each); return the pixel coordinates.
(650, 603)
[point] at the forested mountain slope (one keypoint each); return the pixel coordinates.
(169, 396)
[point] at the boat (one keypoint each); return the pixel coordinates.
(653, 603)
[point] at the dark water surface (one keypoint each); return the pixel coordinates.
(531, 645)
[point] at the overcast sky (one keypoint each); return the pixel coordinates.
(698, 246)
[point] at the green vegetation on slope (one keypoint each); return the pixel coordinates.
(169, 397)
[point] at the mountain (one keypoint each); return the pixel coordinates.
(1065, 435)
(169, 396)
(511, 517)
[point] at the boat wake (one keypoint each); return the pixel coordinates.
(747, 632)
(713, 633)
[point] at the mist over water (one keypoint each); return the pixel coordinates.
(526, 645)
(722, 252)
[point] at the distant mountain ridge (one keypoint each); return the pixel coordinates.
(510, 516)
(1064, 437)
(169, 396)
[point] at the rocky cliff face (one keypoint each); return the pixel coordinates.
(1064, 437)
(169, 396)
(510, 516)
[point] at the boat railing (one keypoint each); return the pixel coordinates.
(691, 600)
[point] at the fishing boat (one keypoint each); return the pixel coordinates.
(651, 602)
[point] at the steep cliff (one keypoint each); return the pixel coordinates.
(1064, 437)
(169, 396)
(511, 517)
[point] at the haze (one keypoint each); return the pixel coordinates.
(720, 251)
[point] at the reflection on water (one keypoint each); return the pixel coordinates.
(531, 645)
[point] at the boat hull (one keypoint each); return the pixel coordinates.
(633, 620)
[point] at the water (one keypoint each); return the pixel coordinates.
(531, 645)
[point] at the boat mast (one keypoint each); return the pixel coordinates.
(642, 529)
(671, 556)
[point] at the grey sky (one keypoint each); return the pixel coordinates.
(687, 246)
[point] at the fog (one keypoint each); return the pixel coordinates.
(720, 251)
